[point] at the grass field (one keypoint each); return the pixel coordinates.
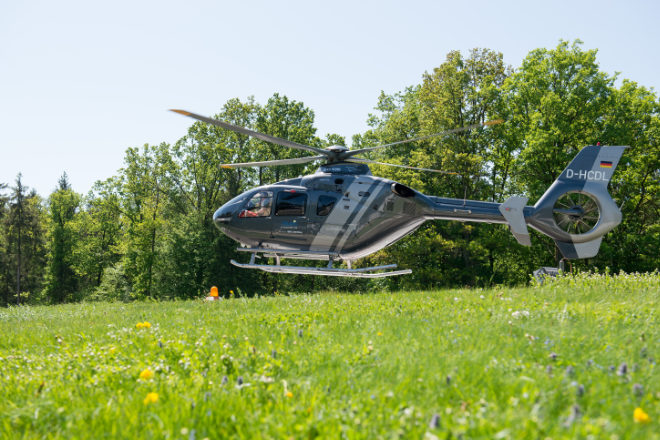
(573, 359)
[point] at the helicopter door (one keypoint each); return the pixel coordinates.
(255, 217)
(290, 217)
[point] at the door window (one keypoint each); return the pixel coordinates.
(325, 205)
(291, 203)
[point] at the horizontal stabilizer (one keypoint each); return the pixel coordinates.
(513, 212)
(579, 250)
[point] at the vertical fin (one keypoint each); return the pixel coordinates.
(579, 250)
(513, 212)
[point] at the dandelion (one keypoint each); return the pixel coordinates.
(639, 416)
(380, 333)
(139, 325)
(151, 398)
(146, 374)
(289, 394)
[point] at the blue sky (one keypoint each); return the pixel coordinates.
(82, 81)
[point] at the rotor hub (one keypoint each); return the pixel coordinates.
(337, 148)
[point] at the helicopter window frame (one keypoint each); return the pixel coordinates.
(259, 205)
(290, 210)
(325, 205)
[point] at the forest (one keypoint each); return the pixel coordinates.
(147, 232)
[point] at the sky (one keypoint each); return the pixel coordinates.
(82, 81)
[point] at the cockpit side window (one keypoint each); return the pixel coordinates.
(259, 205)
(325, 205)
(291, 203)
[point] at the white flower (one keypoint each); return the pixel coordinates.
(520, 313)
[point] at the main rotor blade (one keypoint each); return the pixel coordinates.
(248, 132)
(421, 138)
(358, 159)
(268, 163)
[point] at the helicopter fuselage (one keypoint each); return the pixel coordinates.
(341, 210)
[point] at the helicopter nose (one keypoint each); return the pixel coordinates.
(222, 216)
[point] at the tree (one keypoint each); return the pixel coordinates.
(460, 92)
(61, 282)
(289, 120)
(196, 254)
(144, 190)
(24, 243)
(98, 231)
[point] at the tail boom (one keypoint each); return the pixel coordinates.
(576, 211)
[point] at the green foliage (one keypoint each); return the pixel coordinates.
(22, 259)
(61, 280)
(148, 231)
(571, 359)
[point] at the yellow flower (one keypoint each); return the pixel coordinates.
(289, 394)
(146, 324)
(112, 350)
(380, 333)
(640, 416)
(151, 398)
(146, 374)
(139, 325)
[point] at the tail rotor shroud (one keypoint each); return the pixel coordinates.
(576, 212)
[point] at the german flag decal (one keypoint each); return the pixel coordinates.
(605, 164)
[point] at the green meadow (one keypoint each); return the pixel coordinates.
(574, 358)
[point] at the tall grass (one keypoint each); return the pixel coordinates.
(572, 358)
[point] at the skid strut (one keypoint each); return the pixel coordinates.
(329, 270)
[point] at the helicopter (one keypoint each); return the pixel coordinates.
(343, 213)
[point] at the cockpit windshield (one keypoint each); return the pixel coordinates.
(259, 205)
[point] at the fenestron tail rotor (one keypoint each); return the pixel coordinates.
(576, 212)
(332, 154)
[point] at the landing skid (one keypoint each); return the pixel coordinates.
(363, 272)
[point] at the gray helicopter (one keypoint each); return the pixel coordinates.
(343, 213)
